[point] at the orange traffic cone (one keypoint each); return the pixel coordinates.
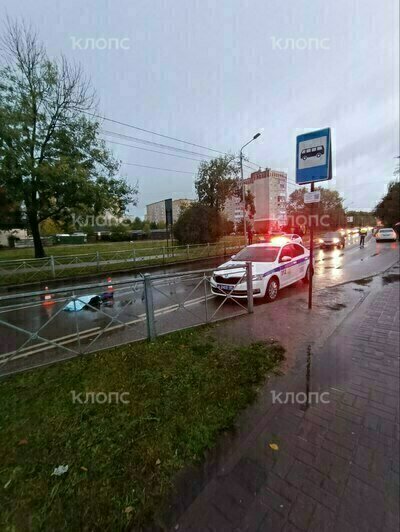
(47, 300)
(110, 287)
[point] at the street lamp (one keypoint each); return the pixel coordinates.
(243, 187)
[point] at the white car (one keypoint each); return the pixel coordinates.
(386, 233)
(274, 266)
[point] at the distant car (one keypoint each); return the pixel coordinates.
(274, 267)
(387, 233)
(331, 240)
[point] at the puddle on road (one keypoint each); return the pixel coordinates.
(363, 282)
(336, 306)
(390, 278)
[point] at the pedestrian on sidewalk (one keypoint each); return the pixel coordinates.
(250, 236)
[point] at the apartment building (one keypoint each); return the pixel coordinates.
(155, 212)
(269, 188)
(233, 209)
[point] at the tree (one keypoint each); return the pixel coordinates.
(329, 211)
(11, 214)
(51, 158)
(217, 180)
(137, 223)
(387, 210)
(198, 224)
(361, 218)
(119, 232)
(146, 229)
(50, 227)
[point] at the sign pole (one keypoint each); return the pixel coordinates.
(311, 252)
(313, 164)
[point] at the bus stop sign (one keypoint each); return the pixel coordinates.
(314, 157)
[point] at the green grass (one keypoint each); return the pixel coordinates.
(159, 255)
(101, 247)
(184, 389)
(79, 249)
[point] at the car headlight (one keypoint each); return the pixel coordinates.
(321, 240)
(335, 240)
(258, 277)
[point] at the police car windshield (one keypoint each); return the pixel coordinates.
(259, 254)
(331, 235)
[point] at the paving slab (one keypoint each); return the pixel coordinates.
(337, 463)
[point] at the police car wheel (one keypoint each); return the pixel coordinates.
(271, 292)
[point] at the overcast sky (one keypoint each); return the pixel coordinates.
(215, 72)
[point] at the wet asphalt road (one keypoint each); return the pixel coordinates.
(332, 267)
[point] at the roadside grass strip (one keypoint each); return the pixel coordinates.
(125, 422)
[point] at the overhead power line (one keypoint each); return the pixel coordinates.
(121, 135)
(156, 168)
(156, 151)
(151, 143)
(153, 132)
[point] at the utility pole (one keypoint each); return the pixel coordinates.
(243, 186)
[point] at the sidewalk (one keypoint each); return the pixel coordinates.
(337, 463)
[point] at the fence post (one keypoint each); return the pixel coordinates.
(148, 299)
(74, 298)
(163, 254)
(249, 279)
(53, 267)
(208, 249)
(97, 261)
(205, 295)
(187, 251)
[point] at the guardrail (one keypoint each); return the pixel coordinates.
(42, 327)
(53, 267)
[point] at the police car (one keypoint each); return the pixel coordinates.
(274, 265)
(293, 238)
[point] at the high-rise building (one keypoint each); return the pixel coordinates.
(233, 209)
(155, 212)
(269, 188)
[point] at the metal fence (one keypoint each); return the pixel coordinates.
(61, 266)
(39, 328)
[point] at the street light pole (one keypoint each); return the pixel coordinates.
(243, 187)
